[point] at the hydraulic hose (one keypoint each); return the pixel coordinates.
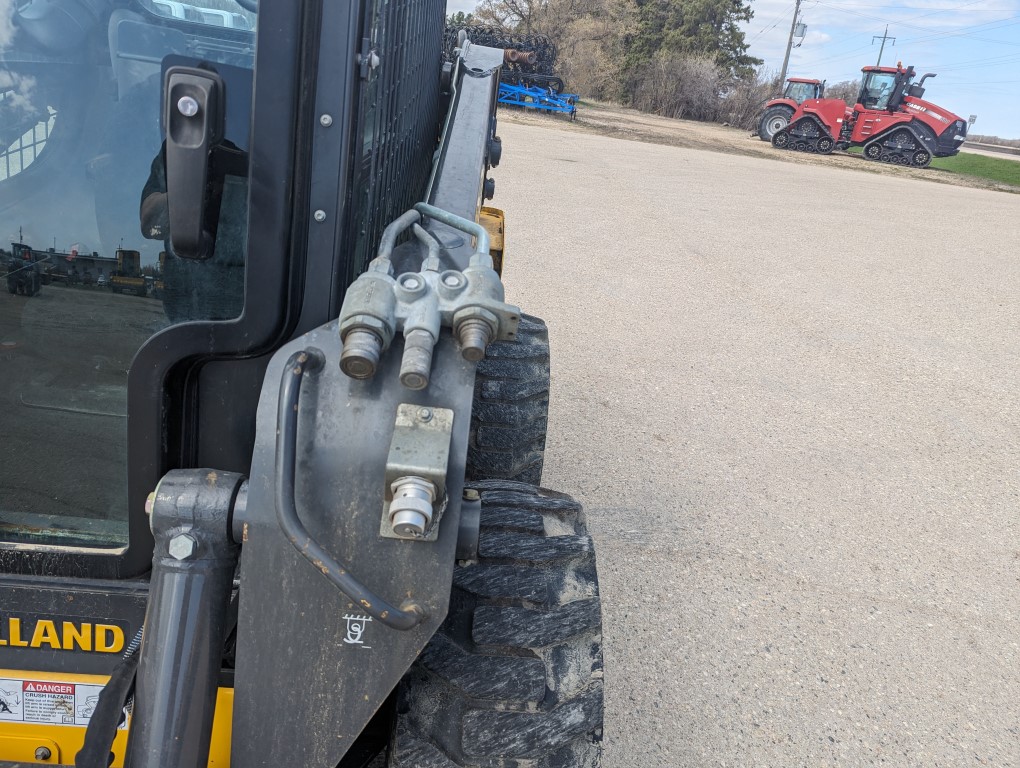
(410, 614)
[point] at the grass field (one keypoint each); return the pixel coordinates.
(966, 164)
(992, 168)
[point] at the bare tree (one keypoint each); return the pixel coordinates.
(680, 86)
(511, 15)
(845, 89)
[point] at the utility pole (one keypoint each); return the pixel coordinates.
(789, 44)
(883, 38)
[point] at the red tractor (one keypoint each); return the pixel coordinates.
(778, 111)
(890, 121)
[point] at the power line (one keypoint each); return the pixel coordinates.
(905, 23)
(770, 28)
(954, 32)
(940, 10)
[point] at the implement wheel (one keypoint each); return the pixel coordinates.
(510, 413)
(513, 677)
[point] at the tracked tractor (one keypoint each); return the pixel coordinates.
(777, 112)
(290, 514)
(890, 121)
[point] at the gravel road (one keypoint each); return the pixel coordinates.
(788, 396)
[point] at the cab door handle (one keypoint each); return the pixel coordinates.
(193, 114)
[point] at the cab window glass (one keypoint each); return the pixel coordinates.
(800, 92)
(87, 268)
(877, 90)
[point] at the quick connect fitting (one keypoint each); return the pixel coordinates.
(367, 323)
(419, 304)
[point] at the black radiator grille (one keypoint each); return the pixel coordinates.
(398, 120)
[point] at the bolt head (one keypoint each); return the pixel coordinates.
(182, 546)
(187, 106)
(411, 282)
(470, 494)
(425, 414)
(326, 121)
(319, 215)
(150, 503)
(43, 753)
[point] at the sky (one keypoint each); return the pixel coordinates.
(972, 45)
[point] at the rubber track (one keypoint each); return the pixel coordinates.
(514, 675)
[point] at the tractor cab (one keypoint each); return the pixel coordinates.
(884, 88)
(800, 89)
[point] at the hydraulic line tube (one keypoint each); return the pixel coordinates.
(457, 222)
(297, 367)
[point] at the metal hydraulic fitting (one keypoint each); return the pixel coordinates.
(414, 495)
(411, 508)
(419, 304)
(368, 317)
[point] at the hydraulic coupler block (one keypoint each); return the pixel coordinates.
(420, 304)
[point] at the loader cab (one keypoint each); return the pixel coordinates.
(100, 395)
(82, 149)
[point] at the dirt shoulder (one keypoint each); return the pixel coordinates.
(623, 123)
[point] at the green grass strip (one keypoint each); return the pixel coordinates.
(992, 168)
(997, 169)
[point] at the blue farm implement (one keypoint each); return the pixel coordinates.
(538, 98)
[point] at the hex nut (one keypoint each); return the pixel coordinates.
(384, 330)
(182, 546)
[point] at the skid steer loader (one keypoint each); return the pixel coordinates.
(284, 512)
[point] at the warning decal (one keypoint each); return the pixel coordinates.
(47, 702)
